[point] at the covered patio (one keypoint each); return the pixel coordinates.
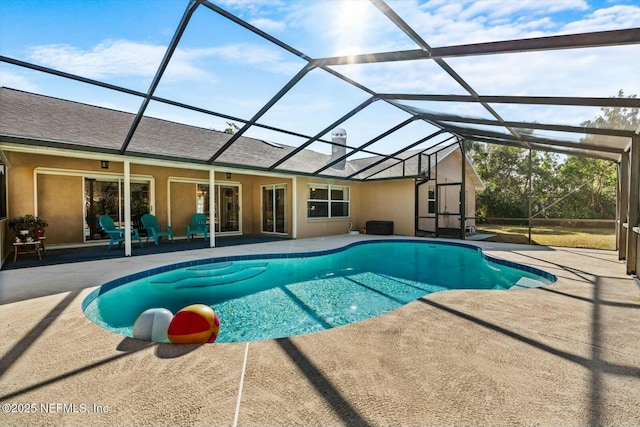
(74, 254)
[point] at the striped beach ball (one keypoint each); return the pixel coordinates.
(194, 324)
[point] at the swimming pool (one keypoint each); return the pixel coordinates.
(277, 295)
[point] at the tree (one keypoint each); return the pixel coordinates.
(505, 173)
(614, 118)
(592, 182)
(590, 186)
(562, 187)
(231, 128)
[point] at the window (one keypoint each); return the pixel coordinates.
(431, 200)
(327, 201)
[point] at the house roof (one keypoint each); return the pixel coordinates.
(42, 120)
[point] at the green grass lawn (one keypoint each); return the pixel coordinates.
(596, 238)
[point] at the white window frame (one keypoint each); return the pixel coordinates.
(329, 187)
(431, 189)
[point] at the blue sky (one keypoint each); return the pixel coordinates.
(222, 67)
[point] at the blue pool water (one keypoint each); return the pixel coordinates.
(274, 296)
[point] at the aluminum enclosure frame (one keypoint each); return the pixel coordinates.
(625, 154)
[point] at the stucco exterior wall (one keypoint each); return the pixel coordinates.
(55, 193)
(183, 206)
(248, 209)
(314, 227)
(56, 196)
(60, 199)
(20, 191)
(389, 201)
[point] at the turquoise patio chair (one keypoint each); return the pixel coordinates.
(116, 234)
(198, 226)
(154, 230)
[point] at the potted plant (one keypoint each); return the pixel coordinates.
(27, 226)
(41, 224)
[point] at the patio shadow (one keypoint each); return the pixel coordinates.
(596, 365)
(341, 406)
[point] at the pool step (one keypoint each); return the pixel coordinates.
(236, 276)
(526, 283)
(209, 267)
(212, 275)
(207, 271)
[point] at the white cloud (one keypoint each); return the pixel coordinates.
(16, 81)
(443, 23)
(263, 58)
(123, 58)
(612, 18)
(262, 14)
(250, 7)
(498, 9)
(268, 25)
(417, 77)
(113, 58)
(598, 72)
(580, 72)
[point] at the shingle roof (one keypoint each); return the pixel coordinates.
(84, 127)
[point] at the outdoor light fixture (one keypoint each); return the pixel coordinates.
(228, 175)
(104, 164)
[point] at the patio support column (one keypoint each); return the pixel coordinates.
(212, 208)
(294, 208)
(529, 196)
(624, 208)
(634, 205)
(463, 193)
(127, 208)
(437, 195)
(618, 207)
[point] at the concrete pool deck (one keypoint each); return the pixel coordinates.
(567, 354)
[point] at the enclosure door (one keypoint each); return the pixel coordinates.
(449, 217)
(274, 209)
(105, 196)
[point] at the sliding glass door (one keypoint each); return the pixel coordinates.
(274, 209)
(105, 196)
(226, 210)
